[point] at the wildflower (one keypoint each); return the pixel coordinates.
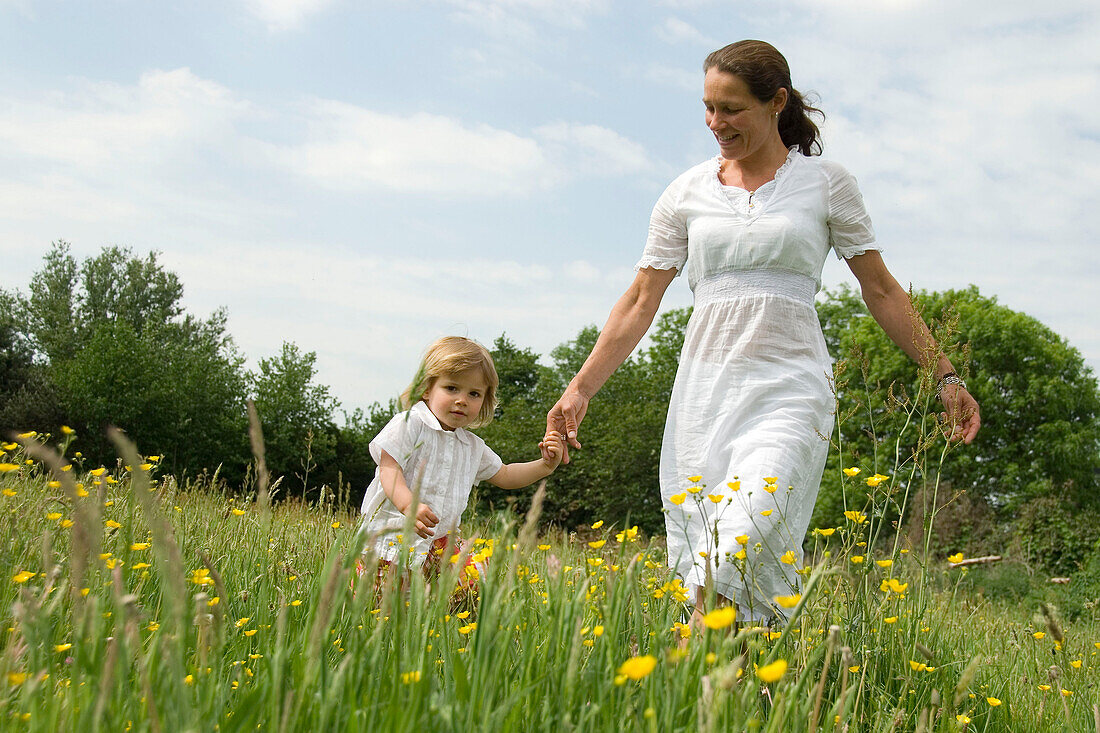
(336, 525)
(250, 632)
(153, 626)
(237, 512)
(6, 467)
(628, 535)
(637, 668)
(22, 576)
(875, 480)
(214, 601)
(242, 621)
(9, 446)
(893, 585)
(1044, 688)
(825, 532)
(1076, 664)
(140, 566)
(788, 601)
(544, 547)
(770, 488)
(891, 619)
(720, 618)
(597, 544)
(81, 491)
(740, 554)
(711, 658)
(854, 516)
(17, 678)
(857, 559)
(993, 702)
(595, 561)
(597, 631)
(140, 546)
(956, 558)
(853, 471)
(695, 479)
(467, 628)
(772, 672)
(462, 614)
(734, 485)
(693, 490)
(963, 718)
(1039, 634)
(296, 602)
(24, 436)
(678, 499)
(410, 677)
(884, 563)
(742, 539)
(111, 524)
(766, 513)
(716, 498)
(597, 525)
(53, 516)
(854, 669)
(66, 523)
(787, 557)
(189, 679)
(1066, 693)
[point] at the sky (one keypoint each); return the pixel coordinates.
(361, 178)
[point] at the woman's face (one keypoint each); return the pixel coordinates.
(741, 123)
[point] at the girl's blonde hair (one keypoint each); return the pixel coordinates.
(452, 355)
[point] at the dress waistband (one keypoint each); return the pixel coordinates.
(739, 283)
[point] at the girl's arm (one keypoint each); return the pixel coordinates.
(397, 491)
(518, 475)
(630, 318)
(890, 306)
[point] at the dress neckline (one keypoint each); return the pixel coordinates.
(792, 152)
(755, 204)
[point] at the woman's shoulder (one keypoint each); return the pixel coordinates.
(830, 170)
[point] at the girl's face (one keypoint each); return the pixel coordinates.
(456, 399)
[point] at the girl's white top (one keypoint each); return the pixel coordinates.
(444, 464)
(752, 397)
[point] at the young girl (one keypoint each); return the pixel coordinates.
(428, 449)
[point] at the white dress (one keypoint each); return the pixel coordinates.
(752, 397)
(444, 464)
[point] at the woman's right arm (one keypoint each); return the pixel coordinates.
(629, 320)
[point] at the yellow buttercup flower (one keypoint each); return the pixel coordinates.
(53, 516)
(720, 618)
(1039, 634)
(956, 558)
(772, 672)
(544, 547)
(22, 576)
(97, 472)
(875, 480)
(891, 619)
(853, 471)
(1066, 693)
(770, 479)
(695, 479)
(597, 525)
(734, 485)
(678, 499)
(788, 601)
(597, 544)
(854, 516)
(238, 512)
(62, 647)
(825, 532)
(1044, 688)
(766, 513)
(884, 563)
(6, 467)
(857, 559)
(694, 490)
(993, 702)
(637, 668)
(111, 524)
(742, 539)
(770, 488)
(715, 497)
(408, 678)
(787, 557)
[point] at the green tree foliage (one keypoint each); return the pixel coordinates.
(1040, 437)
(120, 350)
(297, 418)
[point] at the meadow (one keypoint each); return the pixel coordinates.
(131, 602)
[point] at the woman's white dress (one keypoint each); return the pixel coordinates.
(752, 398)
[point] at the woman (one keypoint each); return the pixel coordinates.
(752, 407)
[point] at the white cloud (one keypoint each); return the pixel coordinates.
(593, 150)
(678, 78)
(674, 30)
(282, 15)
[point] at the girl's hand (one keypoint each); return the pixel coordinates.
(565, 418)
(552, 447)
(425, 521)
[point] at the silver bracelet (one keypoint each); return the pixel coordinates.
(946, 379)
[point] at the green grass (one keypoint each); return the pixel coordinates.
(237, 616)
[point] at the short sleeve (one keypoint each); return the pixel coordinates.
(489, 464)
(850, 230)
(398, 439)
(666, 245)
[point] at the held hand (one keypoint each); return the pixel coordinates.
(425, 521)
(565, 418)
(961, 414)
(553, 449)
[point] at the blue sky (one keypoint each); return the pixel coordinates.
(360, 178)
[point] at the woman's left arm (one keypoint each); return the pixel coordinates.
(891, 308)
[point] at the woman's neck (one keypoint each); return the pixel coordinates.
(753, 171)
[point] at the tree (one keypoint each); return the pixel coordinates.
(121, 351)
(1040, 404)
(296, 414)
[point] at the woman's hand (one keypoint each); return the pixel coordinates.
(961, 413)
(565, 419)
